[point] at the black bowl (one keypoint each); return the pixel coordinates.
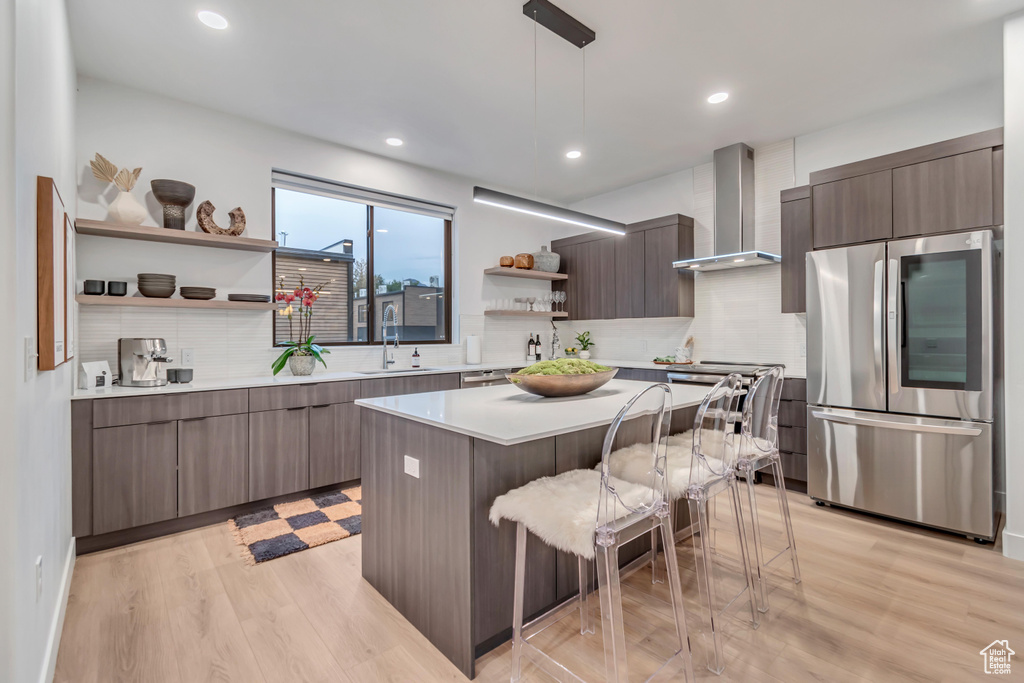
(115, 288)
(94, 286)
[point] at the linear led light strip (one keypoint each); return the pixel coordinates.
(511, 202)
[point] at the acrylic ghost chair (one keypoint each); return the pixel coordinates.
(759, 449)
(591, 514)
(702, 464)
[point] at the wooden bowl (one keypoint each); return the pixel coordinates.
(506, 262)
(524, 261)
(555, 386)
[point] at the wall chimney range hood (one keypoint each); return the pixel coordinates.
(734, 215)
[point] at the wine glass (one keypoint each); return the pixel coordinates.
(561, 300)
(531, 303)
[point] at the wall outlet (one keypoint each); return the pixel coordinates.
(803, 349)
(643, 345)
(31, 358)
(39, 577)
(412, 467)
(188, 357)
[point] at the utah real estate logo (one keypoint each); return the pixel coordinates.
(997, 657)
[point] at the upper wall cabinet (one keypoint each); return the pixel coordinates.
(796, 242)
(629, 276)
(853, 210)
(944, 195)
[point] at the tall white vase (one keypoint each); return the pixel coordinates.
(126, 209)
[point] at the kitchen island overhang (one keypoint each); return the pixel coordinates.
(432, 465)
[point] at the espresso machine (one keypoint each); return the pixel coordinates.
(141, 362)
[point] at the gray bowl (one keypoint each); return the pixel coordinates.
(553, 386)
(155, 292)
(174, 196)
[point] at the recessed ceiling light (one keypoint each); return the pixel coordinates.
(695, 266)
(328, 260)
(718, 97)
(382, 229)
(212, 19)
(573, 154)
(395, 142)
(738, 260)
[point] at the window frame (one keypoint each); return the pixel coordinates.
(371, 293)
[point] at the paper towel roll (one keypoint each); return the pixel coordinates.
(473, 352)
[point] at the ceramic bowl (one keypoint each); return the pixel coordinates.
(553, 386)
(115, 288)
(174, 196)
(156, 291)
(94, 287)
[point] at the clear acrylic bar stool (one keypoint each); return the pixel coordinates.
(591, 514)
(759, 448)
(701, 464)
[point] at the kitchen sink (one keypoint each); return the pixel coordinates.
(393, 371)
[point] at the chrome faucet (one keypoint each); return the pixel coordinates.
(384, 333)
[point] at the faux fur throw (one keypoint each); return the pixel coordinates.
(562, 510)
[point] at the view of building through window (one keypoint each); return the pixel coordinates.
(328, 240)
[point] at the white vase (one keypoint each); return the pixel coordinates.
(126, 209)
(585, 355)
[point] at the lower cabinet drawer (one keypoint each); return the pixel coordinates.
(793, 439)
(114, 412)
(794, 389)
(397, 386)
(213, 403)
(212, 454)
(794, 467)
(792, 414)
(134, 475)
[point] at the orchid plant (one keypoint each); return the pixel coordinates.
(299, 303)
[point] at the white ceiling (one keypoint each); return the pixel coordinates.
(454, 78)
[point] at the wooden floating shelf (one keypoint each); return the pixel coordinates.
(148, 302)
(530, 314)
(194, 238)
(526, 274)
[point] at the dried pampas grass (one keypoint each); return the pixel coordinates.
(104, 170)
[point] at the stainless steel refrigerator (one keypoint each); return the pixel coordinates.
(903, 357)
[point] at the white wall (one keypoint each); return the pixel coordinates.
(661, 196)
(229, 160)
(1013, 169)
(41, 514)
(949, 115)
(8, 342)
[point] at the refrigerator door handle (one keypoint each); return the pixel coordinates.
(879, 319)
(929, 427)
(894, 326)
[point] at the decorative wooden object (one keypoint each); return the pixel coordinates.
(204, 215)
(507, 261)
(524, 261)
(51, 275)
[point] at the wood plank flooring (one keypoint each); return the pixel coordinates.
(879, 602)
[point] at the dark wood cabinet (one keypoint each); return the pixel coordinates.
(667, 292)
(629, 276)
(796, 242)
(853, 210)
(943, 195)
(278, 452)
(134, 475)
(414, 384)
(333, 444)
(630, 264)
(114, 412)
(793, 432)
(212, 455)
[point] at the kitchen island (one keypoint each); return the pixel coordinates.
(432, 464)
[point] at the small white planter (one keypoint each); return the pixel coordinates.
(126, 209)
(585, 355)
(301, 366)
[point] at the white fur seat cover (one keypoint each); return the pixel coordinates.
(562, 510)
(633, 463)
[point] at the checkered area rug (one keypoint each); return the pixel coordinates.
(287, 528)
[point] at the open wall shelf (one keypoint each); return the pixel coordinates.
(147, 302)
(525, 274)
(84, 226)
(530, 314)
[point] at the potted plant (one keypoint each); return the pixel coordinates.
(585, 342)
(300, 353)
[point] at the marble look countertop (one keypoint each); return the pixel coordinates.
(507, 415)
(284, 379)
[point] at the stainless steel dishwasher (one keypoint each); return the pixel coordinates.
(484, 378)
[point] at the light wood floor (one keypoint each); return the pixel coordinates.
(879, 602)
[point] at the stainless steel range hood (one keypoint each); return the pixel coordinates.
(734, 215)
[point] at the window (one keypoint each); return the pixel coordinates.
(369, 251)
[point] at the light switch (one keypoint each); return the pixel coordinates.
(412, 467)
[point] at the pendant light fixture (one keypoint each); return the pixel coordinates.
(546, 14)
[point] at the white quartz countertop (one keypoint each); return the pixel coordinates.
(284, 379)
(507, 415)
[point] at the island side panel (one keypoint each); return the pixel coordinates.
(497, 470)
(417, 531)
